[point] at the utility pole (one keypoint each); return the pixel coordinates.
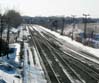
(8, 32)
(2, 25)
(63, 22)
(1, 38)
(73, 18)
(85, 23)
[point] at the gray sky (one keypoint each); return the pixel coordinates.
(52, 7)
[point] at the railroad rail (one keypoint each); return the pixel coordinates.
(56, 61)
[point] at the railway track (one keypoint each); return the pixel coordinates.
(78, 61)
(58, 71)
(82, 57)
(84, 67)
(50, 72)
(72, 75)
(52, 57)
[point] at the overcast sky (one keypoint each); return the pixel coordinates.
(52, 7)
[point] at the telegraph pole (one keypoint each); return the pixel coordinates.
(2, 25)
(85, 23)
(63, 22)
(73, 17)
(8, 33)
(1, 37)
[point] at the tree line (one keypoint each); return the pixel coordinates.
(49, 21)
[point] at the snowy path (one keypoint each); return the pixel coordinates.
(32, 71)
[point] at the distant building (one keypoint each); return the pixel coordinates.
(91, 40)
(95, 36)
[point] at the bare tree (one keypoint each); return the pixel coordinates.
(13, 17)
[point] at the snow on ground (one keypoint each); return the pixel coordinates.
(73, 42)
(8, 69)
(9, 78)
(23, 32)
(6, 73)
(40, 30)
(14, 30)
(37, 71)
(33, 72)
